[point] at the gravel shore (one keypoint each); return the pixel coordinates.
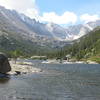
(23, 68)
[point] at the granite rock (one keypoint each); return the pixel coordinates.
(4, 64)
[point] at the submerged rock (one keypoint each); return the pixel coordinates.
(17, 72)
(4, 64)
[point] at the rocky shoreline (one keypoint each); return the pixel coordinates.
(54, 61)
(22, 68)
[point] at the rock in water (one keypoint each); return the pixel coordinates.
(4, 64)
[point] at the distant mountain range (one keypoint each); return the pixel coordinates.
(22, 28)
(57, 32)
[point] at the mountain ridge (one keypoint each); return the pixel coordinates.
(33, 29)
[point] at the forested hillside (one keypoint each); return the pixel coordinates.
(87, 47)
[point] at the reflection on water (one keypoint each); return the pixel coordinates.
(57, 82)
(4, 80)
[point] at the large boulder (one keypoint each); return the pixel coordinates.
(4, 64)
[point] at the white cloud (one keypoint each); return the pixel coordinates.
(87, 18)
(32, 13)
(66, 18)
(28, 7)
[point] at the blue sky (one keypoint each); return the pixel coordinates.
(77, 6)
(62, 12)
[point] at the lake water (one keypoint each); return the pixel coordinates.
(56, 82)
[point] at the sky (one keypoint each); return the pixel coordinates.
(62, 12)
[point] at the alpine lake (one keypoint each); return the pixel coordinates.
(56, 82)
